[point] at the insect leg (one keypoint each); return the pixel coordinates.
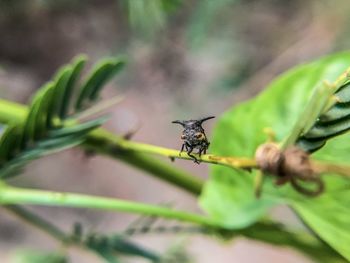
(205, 147)
(187, 146)
(200, 150)
(182, 148)
(189, 150)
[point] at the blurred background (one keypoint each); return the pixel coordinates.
(186, 59)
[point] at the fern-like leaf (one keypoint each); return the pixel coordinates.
(67, 93)
(109, 247)
(101, 73)
(327, 114)
(333, 120)
(50, 125)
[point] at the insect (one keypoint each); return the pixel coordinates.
(194, 137)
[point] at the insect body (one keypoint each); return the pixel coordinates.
(194, 137)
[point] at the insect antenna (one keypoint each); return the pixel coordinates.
(205, 119)
(179, 122)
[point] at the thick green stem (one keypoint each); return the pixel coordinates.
(11, 195)
(14, 112)
(109, 144)
(106, 143)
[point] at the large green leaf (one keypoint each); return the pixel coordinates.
(228, 196)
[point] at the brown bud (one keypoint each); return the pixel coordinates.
(297, 163)
(269, 158)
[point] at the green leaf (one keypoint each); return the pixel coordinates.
(42, 115)
(42, 148)
(29, 125)
(77, 129)
(110, 246)
(35, 123)
(46, 129)
(331, 119)
(99, 244)
(60, 143)
(122, 245)
(330, 220)
(100, 74)
(7, 141)
(77, 66)
(228, 195)
(58, 94)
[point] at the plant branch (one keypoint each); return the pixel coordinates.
(107, 143)
(327, 167)
(14, 112)
(11, 195)
(264, 231)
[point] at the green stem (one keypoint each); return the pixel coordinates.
(11, 195)
(109, 144)
(264, 231)
(106, 143)
(327, 167)
(14, 112)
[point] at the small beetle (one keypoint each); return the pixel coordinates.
(194, 137)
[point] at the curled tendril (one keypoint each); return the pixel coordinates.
(292, 165)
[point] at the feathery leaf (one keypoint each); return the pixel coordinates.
(7, 141)
(49, 126)
(79, 129)
(78, 64)
(101, 73)
(333, 117)
(57, 96)
(110, 246)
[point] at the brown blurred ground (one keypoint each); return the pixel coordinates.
(173, 74)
